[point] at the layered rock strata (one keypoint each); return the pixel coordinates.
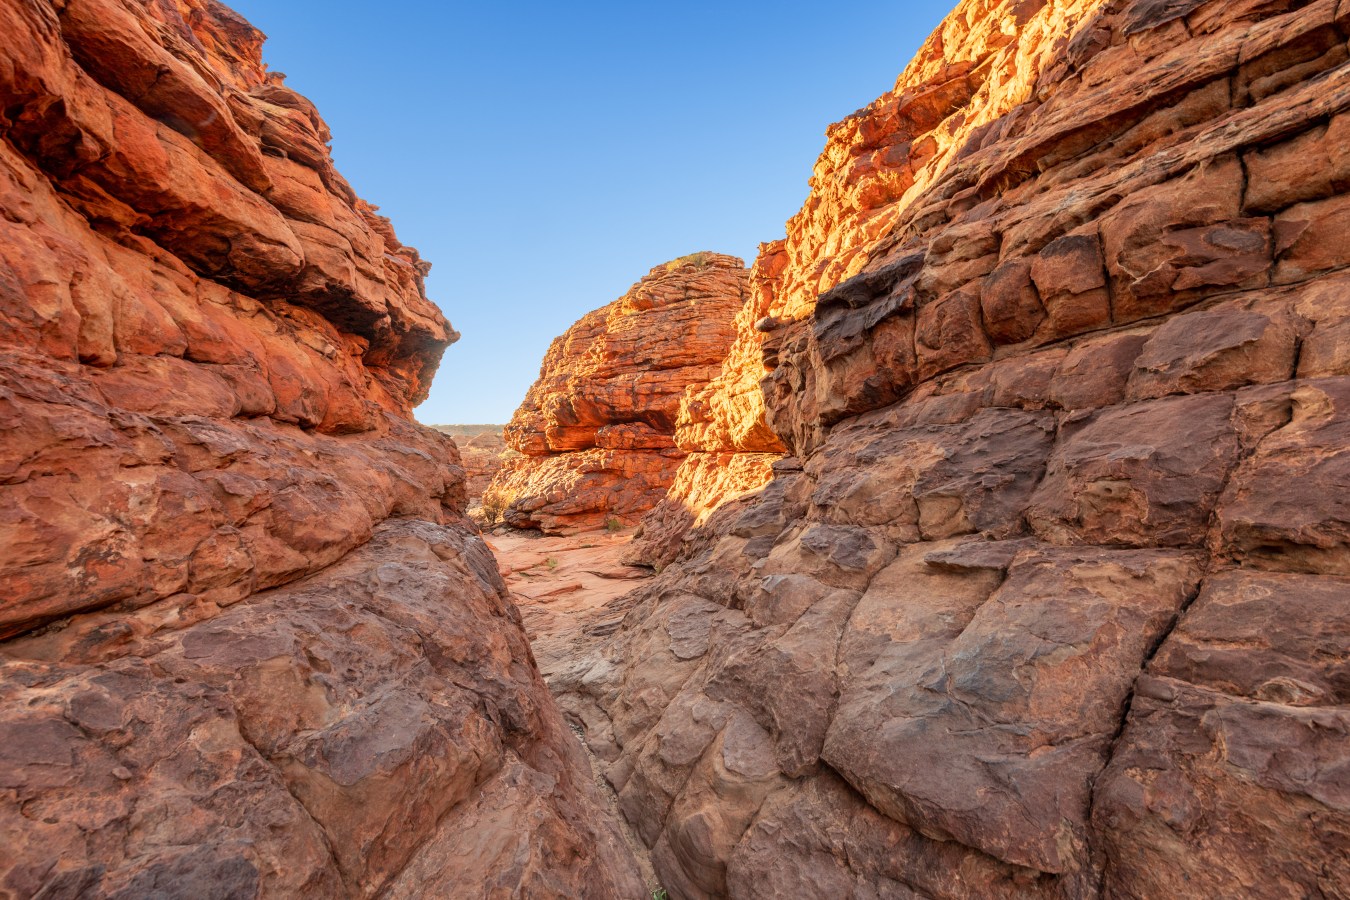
(1050, 598)
(597, 431)
(482, 451)
(250, 645)
(722, 426)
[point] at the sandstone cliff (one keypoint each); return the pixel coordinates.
(482, 451)
(598, 429)
(721, 426)
(1052, 596)
(253, 648)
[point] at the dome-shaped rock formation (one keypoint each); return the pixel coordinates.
(598, 429)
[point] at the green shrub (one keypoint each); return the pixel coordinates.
(697, 260)
(612, 525)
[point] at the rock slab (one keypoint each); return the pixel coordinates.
(249, 644)
(1048, 596)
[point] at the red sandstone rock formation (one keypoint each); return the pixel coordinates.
(482, 451)
(253, 648)
(1051, 598)
(722, 427)
(598, 429)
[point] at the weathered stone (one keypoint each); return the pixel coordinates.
(1059, 330)
(1012, 309)
(1210, 795)
(1214, 350)
(949, 333)
(597, 429)
(1070, 279)
(249, 646)
(1325, 350)
(1310, 238)
(1143, 475)
(1308, 167)
(1096, 371)
(265, 744)
(925, 731)
(1270, 637)
(1279, 512)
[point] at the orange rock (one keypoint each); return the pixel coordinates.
(703, 482)
(1043, 602)
(598, 429)
(249, 645)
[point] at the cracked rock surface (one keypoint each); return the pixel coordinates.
(1049, 598)
(249, 645)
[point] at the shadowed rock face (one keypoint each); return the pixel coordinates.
(1050, 597)
(598, 429)
(252, 648)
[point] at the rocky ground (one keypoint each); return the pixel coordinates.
(569, 588)
(996, 526)
(571, 591)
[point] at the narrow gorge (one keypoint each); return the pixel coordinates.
(988, 537)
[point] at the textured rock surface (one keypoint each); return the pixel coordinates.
(253, 648)
(703, 482)
(722, 427)
(1050, 597)
(482, 451)
(377, 728)
(598, 429)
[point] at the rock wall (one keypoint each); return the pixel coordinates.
(248, 644)
(1050, 598)
(722, 427)
(598, 429)
(482, 451)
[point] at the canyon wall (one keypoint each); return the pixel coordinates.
(249, 646)
(721, 426)
(597, 431)
(1051, 596)
(482, 452)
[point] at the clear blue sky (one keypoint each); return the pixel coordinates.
(544, 156)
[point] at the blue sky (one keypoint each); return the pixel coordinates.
(544, 156)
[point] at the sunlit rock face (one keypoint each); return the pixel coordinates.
(482, 450)
(721, 426)
(598, 430)
(251, 645)
(1050, 597)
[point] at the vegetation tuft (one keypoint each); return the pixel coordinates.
(697, 260)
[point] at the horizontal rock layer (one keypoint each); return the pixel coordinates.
(482, 451)
(248, 644)
(1050, 598)
(598, 429)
